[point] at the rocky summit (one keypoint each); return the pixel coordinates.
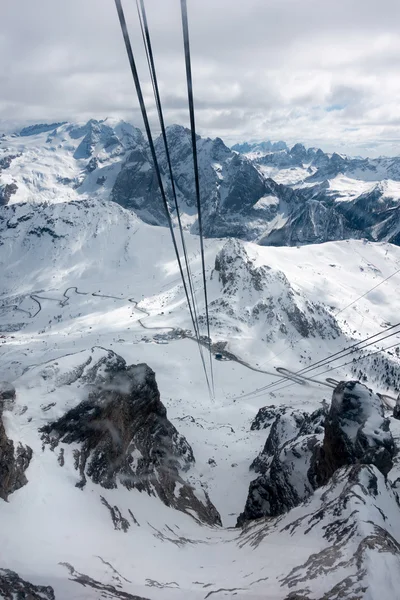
(356, 431)
(267, 192)
(303, 451)
(121, 435)
(12, 586)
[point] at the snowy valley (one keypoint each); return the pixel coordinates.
(120, 476)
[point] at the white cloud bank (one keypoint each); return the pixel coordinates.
(325, 73)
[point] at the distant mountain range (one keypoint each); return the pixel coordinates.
(266, 192)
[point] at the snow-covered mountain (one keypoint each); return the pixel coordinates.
(120, 476)
(260, 148)
(358, 197)
(269, 194)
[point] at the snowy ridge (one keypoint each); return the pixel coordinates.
(262, 298)
(273, 195)
(88, 279)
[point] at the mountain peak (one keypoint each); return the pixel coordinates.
(39, 128)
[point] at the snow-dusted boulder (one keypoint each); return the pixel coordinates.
(356, 431)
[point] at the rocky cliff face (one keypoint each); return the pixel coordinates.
(287, 474)
(303, 452)
(13, 587)
(14, 459)
(136, 188)
(6, 191)
(356, 431)
(124, 437)
(354, 551)
(261, 295)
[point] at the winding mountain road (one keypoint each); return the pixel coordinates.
(280, 371)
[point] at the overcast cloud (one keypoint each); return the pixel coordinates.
(321, 72)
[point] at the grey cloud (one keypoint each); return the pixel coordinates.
(262, 68)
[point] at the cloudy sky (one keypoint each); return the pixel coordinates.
(323, 72)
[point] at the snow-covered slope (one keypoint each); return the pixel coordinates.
(84, 279)
(57, 164)
(96, 260)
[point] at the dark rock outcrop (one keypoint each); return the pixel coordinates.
(6, 191)
(6, 161)
(13, 461)
(302, 451)
(267, 415)
(7, 395)
(354, 547)
(136, 188)
(287, 476)
(356, 431)
(396, 410)
(13, 587)
(125, 437)
(96, 131)
(246, 297)
(92, 164)
(103, 590)
(40, 128)
(268, 146)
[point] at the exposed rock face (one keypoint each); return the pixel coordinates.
(39, 128)
(13, 587)
(396, 410)
(6, 161)
(7, 395)
(302, 451)
(104, 590)
(287, 476)
(356, 431)
(92, 164)
(238, 197)
(125, 437)
(310, 221)
(6, 191)
(260, 147)
(136, 188)
(344, 541)
(13, 461)
(267, 415)
(96, 131)
(246, 297)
